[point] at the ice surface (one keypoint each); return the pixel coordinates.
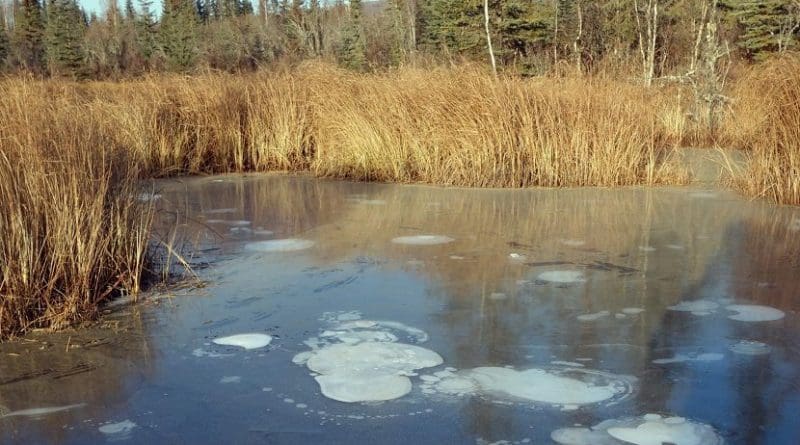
(573, 242)
(752, 313)
(750, 347)
(650, 429)
(562, 276)
(230, 379)
(246, 341)
(423, 240)
(279, 245)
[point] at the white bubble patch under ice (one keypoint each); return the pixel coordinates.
(280, 245)
(562, 276)
(423, 240)
(118, 430)
(680, 358)
(362, 360)
(696, 307)
(650, 429)
(566, 387)
(750, 347)
(246, 341)
(753, 313)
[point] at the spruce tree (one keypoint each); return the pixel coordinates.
(353, 49)
(178, 34)
(63, 38)
(4, 42)
(28, 35)
(146, 30)
(767, 26)
(130, 12)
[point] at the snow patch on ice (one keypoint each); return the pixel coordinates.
(593, 317)
(696, 307)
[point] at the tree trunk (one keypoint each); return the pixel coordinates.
(489, 36)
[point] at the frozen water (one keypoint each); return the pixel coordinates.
(679, 358)
(696, 307)
(537, 385)
(220, 211)
(650, 429)
(246, 341)
(230, 379)
(497, 296)
(647, 248)
(280, 245)
(573, 242)
(594, 316)
(562, 276)
(750, 347)
(199, 352)
(123, 428)
(149, 197)
(752, 312)
(423, 240)
(703, 195)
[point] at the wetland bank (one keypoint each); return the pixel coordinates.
(395, 313)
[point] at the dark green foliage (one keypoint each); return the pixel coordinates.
(146, 31)
(352, 53)
(766, 26)
(4, 42)
(29, 35)
(178, 34)
(63, 38)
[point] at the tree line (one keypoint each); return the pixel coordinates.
(658, 37)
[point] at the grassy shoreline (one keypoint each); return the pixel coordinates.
(73, 233)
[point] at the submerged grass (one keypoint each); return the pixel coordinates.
(73, 233)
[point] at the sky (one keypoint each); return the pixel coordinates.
(98, 6)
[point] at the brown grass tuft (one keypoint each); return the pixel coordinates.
(766, 121)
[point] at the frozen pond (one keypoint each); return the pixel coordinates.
(342, 313)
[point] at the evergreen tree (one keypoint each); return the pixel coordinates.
(28, 35)
(130, 12)
(146, 31)
(353, 49)
(767, 26)
(178, 33)
(63, 38)
(4, 42)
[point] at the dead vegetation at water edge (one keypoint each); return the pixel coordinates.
(73, 234)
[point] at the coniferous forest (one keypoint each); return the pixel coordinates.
(650, 38)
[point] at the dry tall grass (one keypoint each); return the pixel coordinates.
(72, 232)
(766, 121)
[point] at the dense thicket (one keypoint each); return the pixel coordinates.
(649, 38)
